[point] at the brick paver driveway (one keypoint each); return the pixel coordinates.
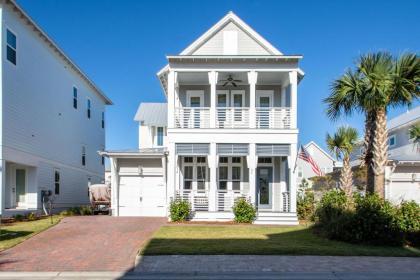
(89, 243)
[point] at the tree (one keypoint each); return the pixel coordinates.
(379, 82)
(414, 133)
(342, 144)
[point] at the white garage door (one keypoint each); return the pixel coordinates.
(142, 196)
(400, 191)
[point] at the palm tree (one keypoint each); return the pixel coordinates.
(342, 144)
(379, 82)
(414, 133)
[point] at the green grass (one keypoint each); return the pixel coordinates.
(257, 240)
(13, 234)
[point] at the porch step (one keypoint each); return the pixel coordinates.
(276, 218)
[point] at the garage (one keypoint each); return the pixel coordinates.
(138, 183)
(404, 182)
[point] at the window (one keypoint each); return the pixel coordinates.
(56, 182)
(223, 160)
(236, 178)
(83, 155)
(201, 178)
(74, 97)
(159, 136)
(11, 47)
(392, 141)
(88, 108)
(264, 160)
(103, 120)
(201, 159)
(188, 177)
(223, 177)
(236, 160)
(102, 160)
(188, 159)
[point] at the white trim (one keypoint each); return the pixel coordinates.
(15, 48)
(195, 93)
(13, 195)
(392, 136)
(262, 165)
(222, 92)
(230, 165)
(230, 17)
(194, 181)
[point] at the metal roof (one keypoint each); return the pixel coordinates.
(405, 119)
(153, 114)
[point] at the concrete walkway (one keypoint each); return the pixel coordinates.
(87, 243)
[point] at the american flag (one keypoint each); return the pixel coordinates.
(304, 155)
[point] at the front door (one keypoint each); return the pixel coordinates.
(20, 179)
(264, 104)
(195, 100)
(264, 186)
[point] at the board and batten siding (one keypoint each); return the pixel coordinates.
(38, 114)
(245, 45)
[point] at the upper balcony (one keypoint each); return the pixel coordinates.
(233, 100)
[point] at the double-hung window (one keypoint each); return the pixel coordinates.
(103, 120)
(230, 173)
(159, 136)
(83, 155)
(11, 47)
(56, 182)
(201, 169)
(75, 97)
(88, 108)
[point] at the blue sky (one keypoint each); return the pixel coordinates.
(122, 44)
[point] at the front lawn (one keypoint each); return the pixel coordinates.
(257, 240)
(13, 234)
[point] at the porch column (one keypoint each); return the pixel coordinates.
(252, 166)
(292, 177)
(171, 98)
(293, 99)
(171, 172)
(2, 186)
(213, 82)
(115, 188)
(252, 79)
(213, 178)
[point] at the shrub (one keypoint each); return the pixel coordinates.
(179, 210)
(18, 217)
(86, 210)
(332, 205)
(244, 211)
(31, 216)
(78, 210)
(408, 221)
(306, 205)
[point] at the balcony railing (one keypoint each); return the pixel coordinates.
(273, 117)
(192, 117)
(226, 200)
(234, 117)
(199, 201)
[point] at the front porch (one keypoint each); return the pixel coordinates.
(213, 182)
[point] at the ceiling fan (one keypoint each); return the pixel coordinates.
(230, 80)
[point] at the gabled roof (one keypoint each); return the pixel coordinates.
(53, 45)
(319, 148)
(152, 114)
(230, 17)
(407, 118)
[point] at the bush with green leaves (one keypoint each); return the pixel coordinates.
(306, 205)
(180, 210)
(244, 211)
(18, 217)
(408, 221)
(332, 205)
(31, 216)
(78, 211)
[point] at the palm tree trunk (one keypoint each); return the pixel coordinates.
(367, 155)
(346, 177)
(380, 152)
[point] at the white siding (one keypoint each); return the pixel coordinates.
(245, 45)
(38, 115)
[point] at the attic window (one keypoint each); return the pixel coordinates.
(230, 42)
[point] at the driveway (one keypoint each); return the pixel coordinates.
(86, 243)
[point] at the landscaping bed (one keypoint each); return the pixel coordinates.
(259, 240)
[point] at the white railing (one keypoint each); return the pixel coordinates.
(273, 117)
(226, 200)
(192, 117)
(199, 201)
(232, 117)
(286, 201)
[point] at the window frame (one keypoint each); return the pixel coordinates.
(394, 137)
(83, 155)
(75, 97)
(103, 120)
(15, 49)
(195, 165)
(230, 165)
(159, 138)
(89, 108)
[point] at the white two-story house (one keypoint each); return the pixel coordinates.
(52, 120)
(230, 130)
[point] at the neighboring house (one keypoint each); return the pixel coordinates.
(231, 132)
(402, 175)
(324, 160)
(52, 121)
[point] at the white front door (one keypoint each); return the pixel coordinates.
(264, 104)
